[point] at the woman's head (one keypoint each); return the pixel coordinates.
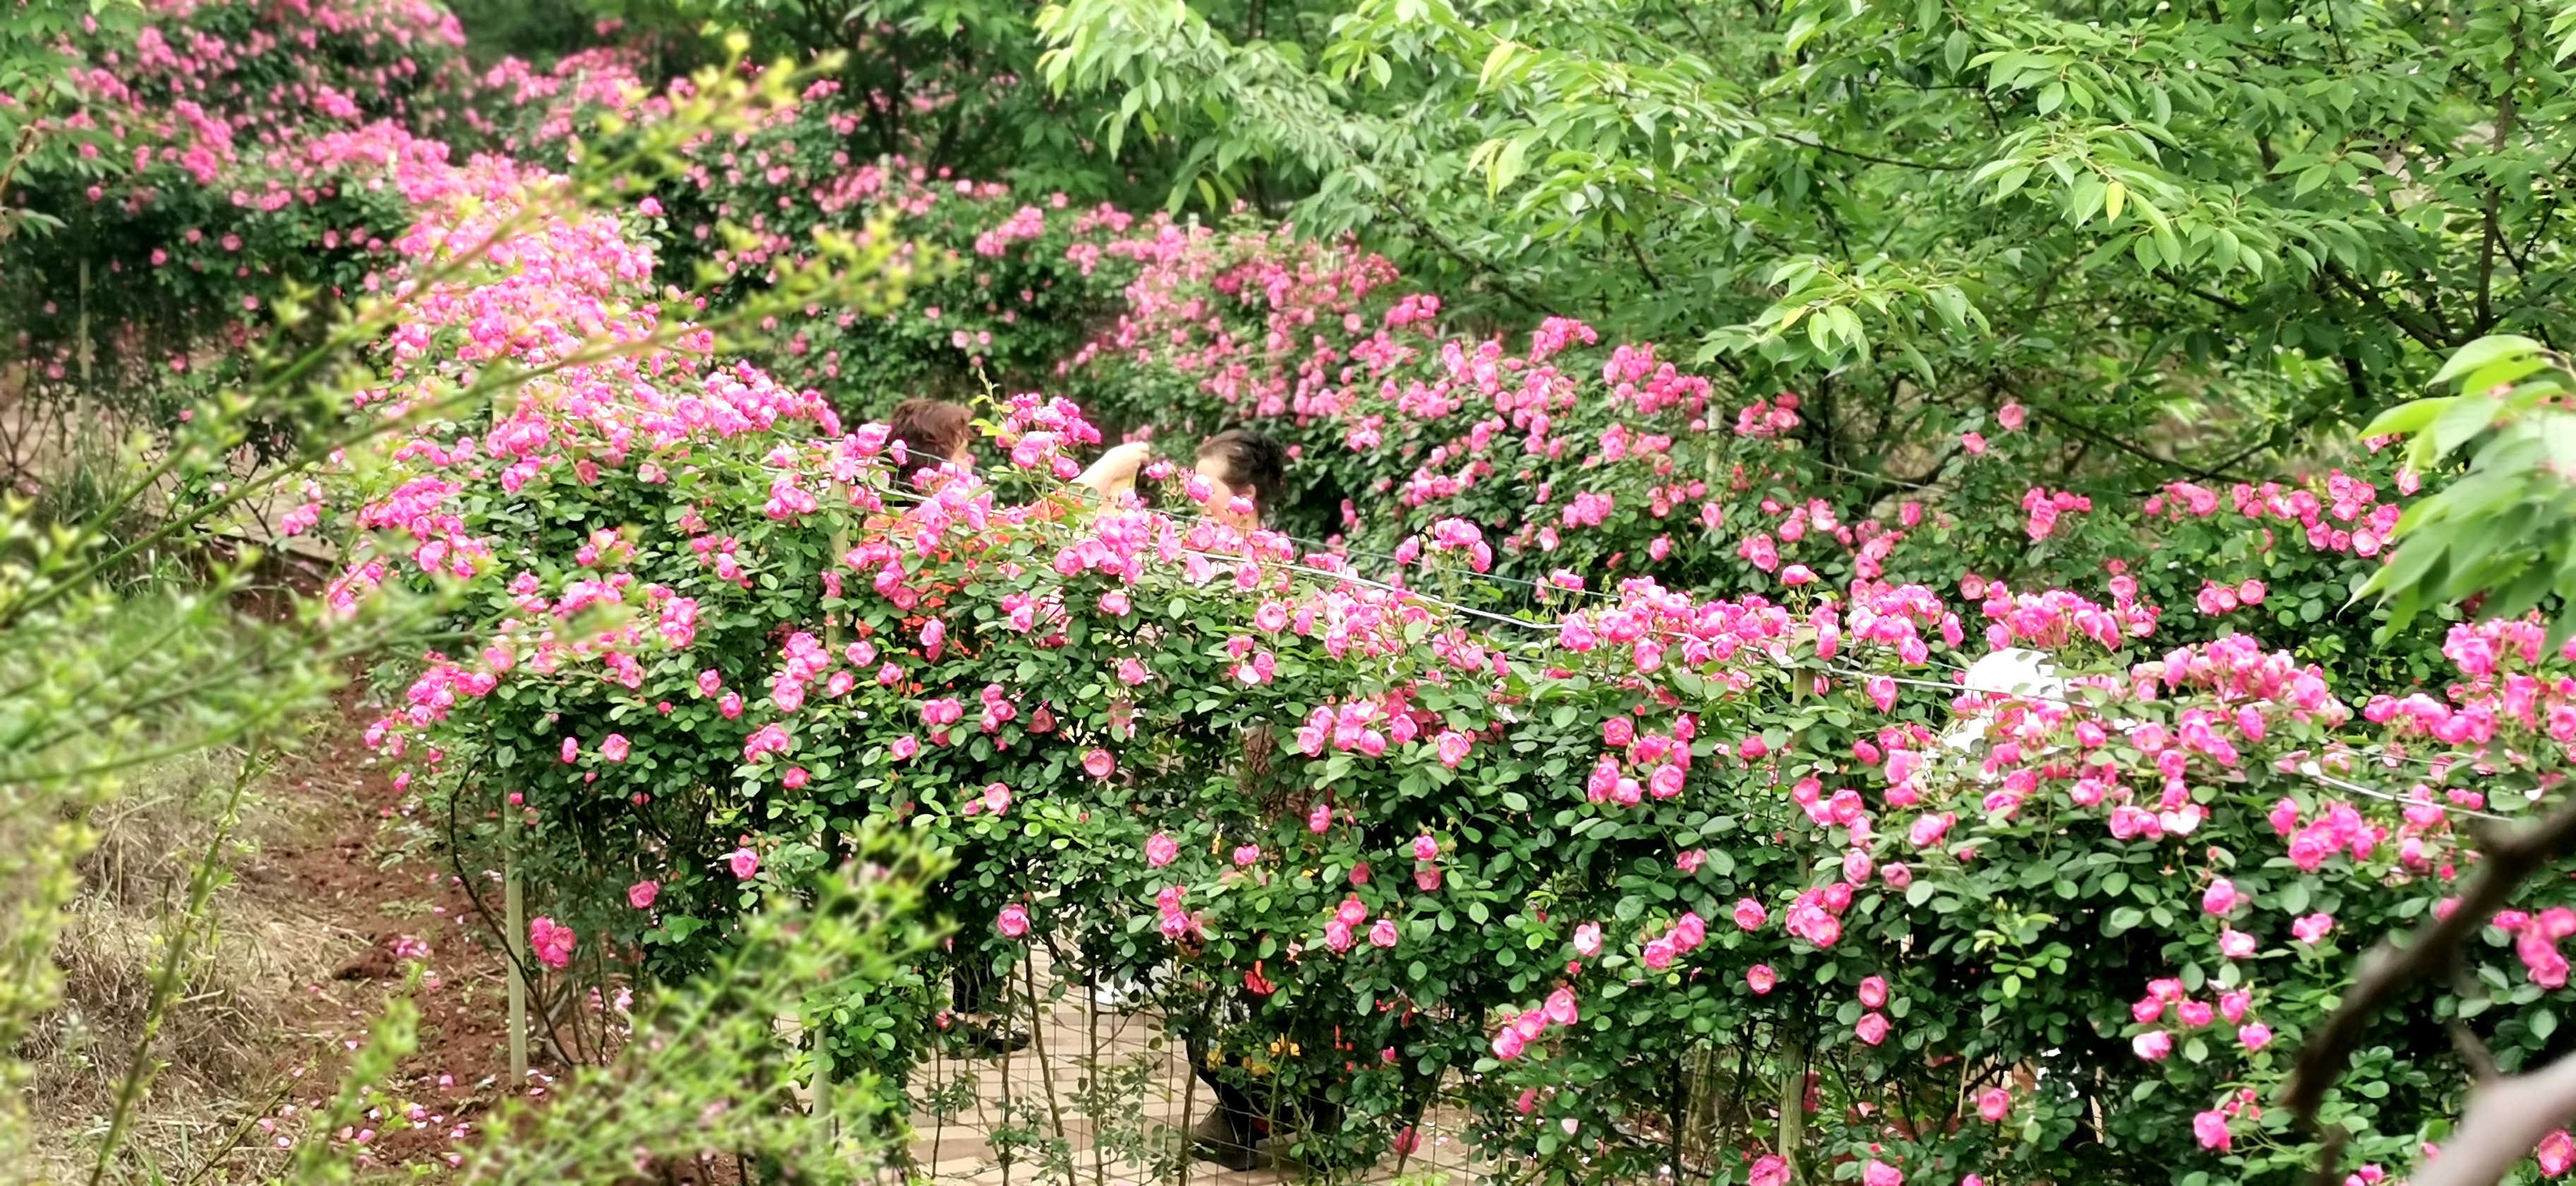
(933, 431)
(1245, 464)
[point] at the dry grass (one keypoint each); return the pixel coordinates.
(221, 1042)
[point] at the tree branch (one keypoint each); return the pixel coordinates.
(2506, 861)
(2505, 1118)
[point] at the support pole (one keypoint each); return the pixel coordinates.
(514, 909)
(1793, 1102)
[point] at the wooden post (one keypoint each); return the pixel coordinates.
(1793, 1101)
(514, 910)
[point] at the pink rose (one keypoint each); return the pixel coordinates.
(1749, 914)
(1098, 763)
(1879, 1173)
(1872, 1028)
(1660, 953)
(2254, 1035)
(1320, 820)
(1587, 939)
(2235, 944)
(1160, 850)
(1382, 933)
(1561, 1007)
(1770, 1169)
(744, 862)
(2211, 1129)
(1760, 978)
(2556, 1153)
(1994, 1104)
(614, 748)
(1508, 1044)
(2152, 1045)
(552, 944)
(641, 894)
(2312, 928)
(1013, 921)
(2221, 897)
(1426, 849)
(1246, 854)
(1873, 993)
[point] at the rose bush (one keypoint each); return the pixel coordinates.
(1694, 829)
(1563, 858)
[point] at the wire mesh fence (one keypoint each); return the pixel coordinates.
(1102, 1094)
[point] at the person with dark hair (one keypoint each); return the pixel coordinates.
(1248, 467)
(937, 432)
(934, 432)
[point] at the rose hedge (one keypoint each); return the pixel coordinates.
(1637, 853)
(1566, 858)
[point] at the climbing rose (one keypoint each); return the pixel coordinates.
(744, 862)
(2152, 1045)
(2312, 928)
(614, 748)
(1382, 933)
(2211, 1128)
(1659, 954)
(1768, 1170)
(1760, 978)
(1873, 992)
(1099, 763)
(1160, 849)
(1879, 1173)
(641, 894)
(2221, 897)
(1587, 939)
(1561, 1007)
(1994, 1104)
(1872, 1028)
(1425, 849)
(553, 944)
(2255, 1035)
(1014, 921)
(2557, 1152)
(1749, 914)
(1508, 1043)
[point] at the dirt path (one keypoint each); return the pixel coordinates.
(371, 874)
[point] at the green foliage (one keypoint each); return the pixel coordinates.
(2190, 231)
(2501, 535)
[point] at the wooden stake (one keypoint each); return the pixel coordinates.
(514, 910)
(1793, 1102)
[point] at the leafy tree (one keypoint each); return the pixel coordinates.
(2184, 233)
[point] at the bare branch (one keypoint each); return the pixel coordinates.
(2506, 860)
(2505, 1119)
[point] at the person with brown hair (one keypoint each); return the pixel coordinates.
(1250, 467)
(937, 432)
(933, 432)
